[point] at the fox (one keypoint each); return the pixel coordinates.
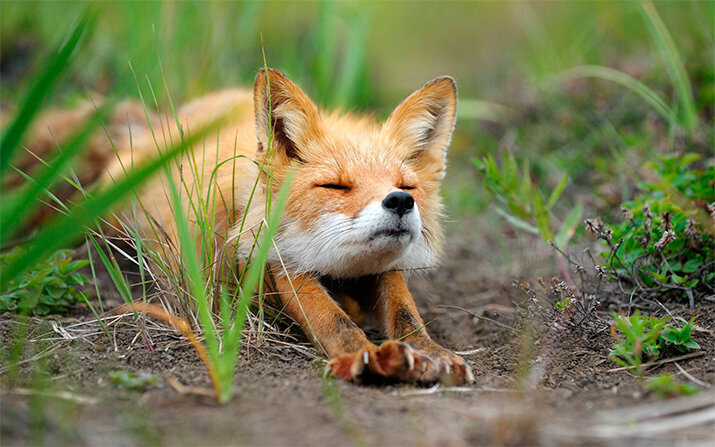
(363, 208)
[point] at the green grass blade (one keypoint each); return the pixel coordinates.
(40, 90)
(326, 51)
(516, 221)
(510, 171)
(115, 273)
(353, 62)
(541, 214)
(247, 24)
(24, 205)
(64, 230)
(673, 63)
(255, 273)
(569, 226)
(194, 276)
(525, 186)
(556, 193)
(618, 77)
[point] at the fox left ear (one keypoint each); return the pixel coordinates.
(424, 122)
(285, 117)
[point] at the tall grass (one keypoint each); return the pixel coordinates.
(221, 333)
(683, 112)
(673, 63)
(618, 77)
(209, 298)
(202, 293)
(19, 204)
(217, 40)
(40, 89)
(73, 220)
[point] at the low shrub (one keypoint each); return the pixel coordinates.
(664, 246)
(49, 287)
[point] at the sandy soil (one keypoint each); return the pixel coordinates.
(552, 387)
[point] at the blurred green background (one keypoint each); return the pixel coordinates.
(510, 60)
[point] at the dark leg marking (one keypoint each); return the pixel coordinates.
(405, 321)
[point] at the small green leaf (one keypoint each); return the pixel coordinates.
(670, 336)
(517, 222)
(692, 283)
(511, 178)
(690, 344)
(556, 193)
(518, 210)
(543, 222)
(479, 164)
(688, 158)
(691, 265)
(659, 277)
(569, 226)
(525, 186)
(492, 170)
(132, 381)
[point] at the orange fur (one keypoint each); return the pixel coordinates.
(341, 243)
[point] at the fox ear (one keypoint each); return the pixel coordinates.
(424, 122)
(285, 117)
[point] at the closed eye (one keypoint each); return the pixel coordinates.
(334, 186)
(407, 188)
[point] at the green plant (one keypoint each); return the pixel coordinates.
(664, 245)
(526, 207)
(132, 380)
(221, 333)
(49, 287)
(641, 340)
(680, 337)
(665, 386)
(644, 337)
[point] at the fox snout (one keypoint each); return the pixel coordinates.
(399, 202)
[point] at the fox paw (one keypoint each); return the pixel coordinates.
(395, 360)
(444, 366)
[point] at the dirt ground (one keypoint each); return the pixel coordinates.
(550, 388)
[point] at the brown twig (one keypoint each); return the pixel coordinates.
(182, 326)
(184, 389)
(661, 362)
(481, 317)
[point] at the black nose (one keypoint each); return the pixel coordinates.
(399, 202)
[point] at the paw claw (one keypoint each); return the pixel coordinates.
(410, 360)
(399, 361)
(468, 375)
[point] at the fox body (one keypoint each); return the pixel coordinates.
(363, 207)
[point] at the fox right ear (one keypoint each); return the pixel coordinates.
(423, 124)
(286, 119)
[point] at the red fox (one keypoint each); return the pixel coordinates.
(363, 207)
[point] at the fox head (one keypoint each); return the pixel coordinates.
(365, 196)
